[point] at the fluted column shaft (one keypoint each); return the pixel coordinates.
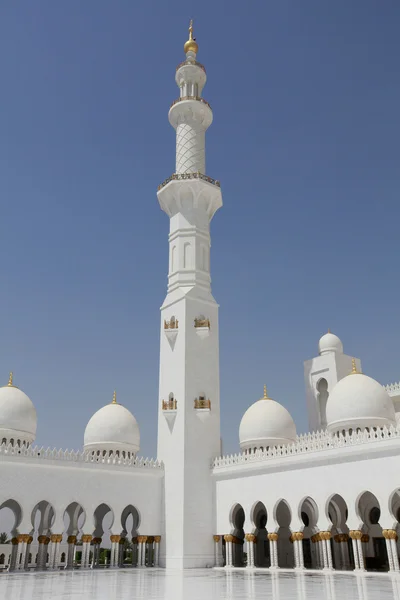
(273, 549)
(157, 540)
(228, 550)
(71, 540)
(86, 539)
(55, 541)
(14, 554)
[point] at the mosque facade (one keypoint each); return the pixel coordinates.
(328, 499)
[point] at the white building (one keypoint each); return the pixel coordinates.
(327, 499)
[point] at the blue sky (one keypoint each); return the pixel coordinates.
(305, 141)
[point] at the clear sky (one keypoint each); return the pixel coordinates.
(305, 141)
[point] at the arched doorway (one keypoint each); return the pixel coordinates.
(10, 518)
(103, 518)
(322, 396)
(261, 549)
(309, 517)
(237, 522)
(130, 524)
(43, 516)
(342, 550)
(373, 542)
(74, 521)
(283, 517)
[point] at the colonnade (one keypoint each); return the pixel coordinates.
(145, 552)
(324, 546)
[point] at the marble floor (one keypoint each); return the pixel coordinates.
(199, 584)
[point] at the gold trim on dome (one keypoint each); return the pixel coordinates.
(191, 45)
(354, 367)
(114, 400)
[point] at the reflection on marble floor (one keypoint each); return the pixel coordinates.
(197, 584)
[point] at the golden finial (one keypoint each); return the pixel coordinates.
(191, 45)
(353, 367)
(114, 400)
(10, 380)
(265, 393)
(329, 331)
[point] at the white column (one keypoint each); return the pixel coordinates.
(276, 552)
(14, 554)
(273, 549)
(394, 552)
(157, 540)
(55, 540)
(228, 550)
(86, 539)
(389, 553)
(250, 538)
(328, 549)
(296, 552)
(360, 554)
(71, 552)
(324, 554)
(300, 549)
(355, 553)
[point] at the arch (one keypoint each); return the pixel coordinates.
(374, 544)
(259, 518)
(2, 558)
(187, 255)
(237, 520)
(103, 517)
(283, 518)
(322, 398)
(341, 545)
(42, 517)
(63, 556)
(11, 514)
(130, 521)
(74, 518)
(308, 515)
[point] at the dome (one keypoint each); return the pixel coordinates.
(266, 423)
(358, 401)
(113, 428)
(330, 343)
(18, 419)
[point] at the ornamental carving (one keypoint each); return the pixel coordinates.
(23, 538)
(228, 538)
(273, 537)
(71, 539)
(86, 539)
(365, 538)
(297, 536)
(56, 538)
(43, 539)
(201, 402)
(389, 534)
(157, 539)
(150, 539)
(180, 176)
(142, 539)
(170, 404)
(355, 534)
(202, 323)
(96, 541)
(171, 324)
(115, 538)
(250, 537)
(216, 538)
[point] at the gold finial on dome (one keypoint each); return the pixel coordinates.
(265, 393)
(191, 45)
(114, 400)
(10, 380)
(353, 367)
(329, 331)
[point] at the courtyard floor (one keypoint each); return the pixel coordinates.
(198, 584)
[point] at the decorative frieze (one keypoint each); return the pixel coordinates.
(191, 62)
(196, 175)
(171, 404)
(308, 443)
(201, 402)
(197, 98)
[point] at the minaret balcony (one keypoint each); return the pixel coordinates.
(171, 404)
(170, 409)
(202, 407)
(197, 98)
(202, 327)
(182, 176)
(191, 62)
(171, 331)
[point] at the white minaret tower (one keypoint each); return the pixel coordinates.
(189, 414)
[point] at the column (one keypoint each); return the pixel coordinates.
(356, 536)
(299, 538)
(14, 554)
(228, 550)
(120, 552)
(251, 540)
(71, 541)
(327, 540)
(134, 552)
(96, 542)
(344, 550)
(216, 539)
(21, 551)
(393, 542)
(55, 540)
(43, 541)
(385, 533)
(86, 539)
(157, 540)
(352, 535)
(114, 550)
(273, 550)
(150, 550)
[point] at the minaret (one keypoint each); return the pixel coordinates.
(189, 414)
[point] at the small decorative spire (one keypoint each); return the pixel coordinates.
(353, 367)
(265, 393)
(10, 380)
(191, 45)
(329, 331)
(114, 400)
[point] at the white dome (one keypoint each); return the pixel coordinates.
(112, 428)
(358, 401)
(18, 419)
(330, 343)
(266, 423)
